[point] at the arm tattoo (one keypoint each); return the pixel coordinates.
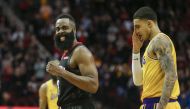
(163, 50)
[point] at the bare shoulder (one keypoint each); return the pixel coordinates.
(43, 88)
(83, 50)
(82, 53)
(161, 44)
(161, 38)
(43, 96)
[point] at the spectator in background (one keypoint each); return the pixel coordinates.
(48, 94)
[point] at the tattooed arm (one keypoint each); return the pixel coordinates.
(162, 48)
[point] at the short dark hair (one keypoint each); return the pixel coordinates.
(145, 13)
(64, 15)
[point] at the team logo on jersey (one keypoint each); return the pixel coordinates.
(53, 96)
(143, 60)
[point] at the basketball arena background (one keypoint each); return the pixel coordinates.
(104, 26)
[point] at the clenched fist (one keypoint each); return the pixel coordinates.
(53, 68)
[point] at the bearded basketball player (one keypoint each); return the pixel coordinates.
(76, 71)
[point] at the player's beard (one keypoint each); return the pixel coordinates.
(67, 43)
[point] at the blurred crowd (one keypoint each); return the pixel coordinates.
(105, 27)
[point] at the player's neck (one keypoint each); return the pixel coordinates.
(75, 42)
(155, 31)
(54, 82)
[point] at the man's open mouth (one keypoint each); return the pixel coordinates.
(62, 38)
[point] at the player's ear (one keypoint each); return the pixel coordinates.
(75, 32)
(149, 23)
